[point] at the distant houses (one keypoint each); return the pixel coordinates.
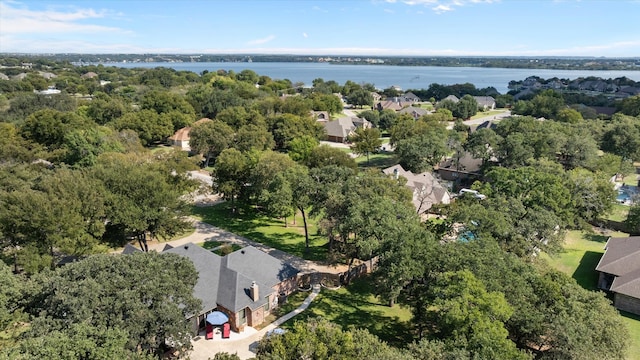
(339, 130)
(181, 137)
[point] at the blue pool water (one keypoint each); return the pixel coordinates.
(626, 194)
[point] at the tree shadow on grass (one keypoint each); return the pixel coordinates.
(595, 237)
(353, 306)
(586, 274)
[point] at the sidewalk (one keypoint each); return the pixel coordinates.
(242, 344)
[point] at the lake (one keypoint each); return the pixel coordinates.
(384, 76)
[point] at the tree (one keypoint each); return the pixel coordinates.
(466, 107)
(302, 192)
(143, 199)
(253, 137)
(210, 138)
(230, 174)
(633, 219)
(320, 339)
(147, 296)
(569, 116)
(325, 155)
(419, 153)
(48, 127)
(371, 116)
(83, 146)
(465, 313)
(149, 126)
(622, 138)
(300, 148)
(365, 141)
(287, 127)
(360, 97)
(593, 195)
(482, 144)
(277, 198)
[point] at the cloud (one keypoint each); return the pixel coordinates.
(22, 20)
(304, 34)
(441, 9)
(389, 11)
(442, 6)
(261, 41)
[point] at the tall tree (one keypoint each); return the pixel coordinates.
(210, 138)
(365, 141)
(148, 296)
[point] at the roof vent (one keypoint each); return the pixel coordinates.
(242, 251)
(186, 247)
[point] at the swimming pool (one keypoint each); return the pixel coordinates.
(626, 194)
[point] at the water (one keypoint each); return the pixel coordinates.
(626, 194)
(384, 76)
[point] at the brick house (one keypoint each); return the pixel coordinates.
(245, 285)
(619, 270)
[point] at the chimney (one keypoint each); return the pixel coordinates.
(253, 290)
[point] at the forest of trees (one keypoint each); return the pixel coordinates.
(80, 176)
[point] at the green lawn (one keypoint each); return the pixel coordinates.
(581, 254)
(248, 222)
(224, 247)
(618, 213)
(381, 160)
(481, 114)
(355, 305)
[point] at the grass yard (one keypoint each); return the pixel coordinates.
(381, 160)
(581, 254)
(356, 305)
(481, 114)
(248, 222)
(618, 213)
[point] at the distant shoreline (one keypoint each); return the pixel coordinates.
(506, 62)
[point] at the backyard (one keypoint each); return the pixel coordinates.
(356, 305)
(250, 223)
(581, 254)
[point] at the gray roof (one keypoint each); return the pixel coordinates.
(622, 259)
(426, 189)
(130, 249)
(621, 256)
(414, 111)
(341, 127)
(226, 280)
(207, 265)
(485, 101)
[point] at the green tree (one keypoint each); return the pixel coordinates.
(464, 312)
(277, 198)
(142, 198)
(210, 138)
(149, 126)
(106, 291)
(48, 127)
(569, 116)
(419, 153)
(466, 107)
(622, 138)
(83, 146)
(300, 148)
(633, 219)
(593, 196)
(325, 155)
(360, 97)
(230, 174)
(253, 137)
(320, 339)
(365, 141)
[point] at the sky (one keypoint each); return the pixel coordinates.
(609, 28)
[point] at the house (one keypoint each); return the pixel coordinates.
(415, 112)
(393, 104)
(181, 137)
(451, 98)
(426, 189)
(89, 75)
(245, 285)
(410, 97)
(619, 270)
(320, 116)
(466, 167)
(340, 129)
(485, 102)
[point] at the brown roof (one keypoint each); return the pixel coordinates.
(181, 134)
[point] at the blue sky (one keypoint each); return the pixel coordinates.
(332, 27)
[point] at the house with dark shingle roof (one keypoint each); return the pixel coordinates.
(415, 112)
(619, 270)
(245, 284)
(339, 130)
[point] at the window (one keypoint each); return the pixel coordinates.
(243, 316)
